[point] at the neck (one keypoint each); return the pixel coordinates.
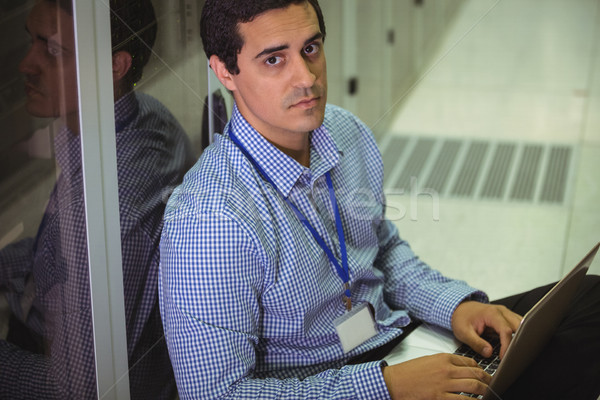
(120, 89)
(72, 122)
(295, 144)
(298, 148)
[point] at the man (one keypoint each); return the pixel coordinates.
(152, 154)
(279, 230)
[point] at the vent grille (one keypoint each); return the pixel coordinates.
(557, 174)
(476, 169)
(468, 175)
(438, 178)
(495, 185)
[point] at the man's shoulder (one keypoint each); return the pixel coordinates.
(212, 184)
(153, 153)
(147, 122)
(151, 132)
(149, 104)
(345, 128)
(154, 111)
(338, 118)
(336, 113)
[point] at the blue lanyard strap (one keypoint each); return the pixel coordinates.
(340, 232)
(342, 270)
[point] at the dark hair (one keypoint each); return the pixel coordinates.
(65, 5)
(133, 29)
(220, 19)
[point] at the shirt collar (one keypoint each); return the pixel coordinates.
(68, 151)
(126, 109)
(325, 151)
(283, 170)
(67, 145)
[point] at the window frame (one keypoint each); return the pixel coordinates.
(98, 141)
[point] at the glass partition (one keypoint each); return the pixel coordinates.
(158, 96)
(47, 348)
(159, 79)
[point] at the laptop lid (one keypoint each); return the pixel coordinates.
(537, 328)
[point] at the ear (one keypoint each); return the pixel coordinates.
(121, 63)
(223, 75)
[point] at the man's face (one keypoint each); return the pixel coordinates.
(282, 85)
(49, 66)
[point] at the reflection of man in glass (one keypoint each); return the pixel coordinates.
(152, 154)
(49, 67)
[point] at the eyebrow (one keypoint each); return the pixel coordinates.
(271, 50)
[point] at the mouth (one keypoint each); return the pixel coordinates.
(31, 90)
(307, 103)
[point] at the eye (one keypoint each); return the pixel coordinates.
(273, 60)
(311, 49)
(54, 50)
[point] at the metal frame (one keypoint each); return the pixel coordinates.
(96, 112)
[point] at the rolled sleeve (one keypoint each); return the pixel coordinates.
(368, 380)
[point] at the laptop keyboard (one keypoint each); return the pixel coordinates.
(489, 365)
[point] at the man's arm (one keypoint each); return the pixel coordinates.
(16, 261)
(68, 374)
(433, 298)
(409, 283)
(16, 365)
(62, 284)
(210, 294)
(412, 285)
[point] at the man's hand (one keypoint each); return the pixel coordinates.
(440, 376)
(471, 319)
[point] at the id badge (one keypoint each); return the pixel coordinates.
(355, 327)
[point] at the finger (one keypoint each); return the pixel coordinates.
(476, 373)
(514, 319)
(455, 396)
(505, 340)
(507, 328)
(462, 361)
(473, 386)
(477, 343)
(504, 322)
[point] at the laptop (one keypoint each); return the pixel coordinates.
(536, 329)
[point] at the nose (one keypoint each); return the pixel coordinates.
(304, 73)
(29, 65)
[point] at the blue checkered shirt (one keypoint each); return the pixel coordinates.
(152, 155)
(248, 297)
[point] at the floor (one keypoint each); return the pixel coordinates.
(525, 75)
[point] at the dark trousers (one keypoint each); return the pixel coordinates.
(568, 367)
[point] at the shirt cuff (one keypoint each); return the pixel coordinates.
(448, 300)
(368, 380)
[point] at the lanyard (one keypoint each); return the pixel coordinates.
(342, 270)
